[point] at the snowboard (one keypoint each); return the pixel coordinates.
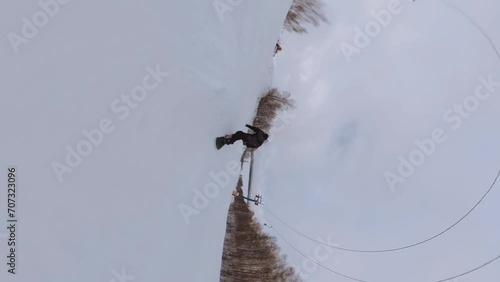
(219, 142)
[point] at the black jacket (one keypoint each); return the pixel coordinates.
(256, 139)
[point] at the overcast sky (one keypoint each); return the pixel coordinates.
(324, 173)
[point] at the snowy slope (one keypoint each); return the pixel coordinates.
(118, 209)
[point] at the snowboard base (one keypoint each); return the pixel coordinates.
(219, 142)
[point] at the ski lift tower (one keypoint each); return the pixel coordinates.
(257, 200)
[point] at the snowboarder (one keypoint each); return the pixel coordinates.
(254, 140)
(277, 48)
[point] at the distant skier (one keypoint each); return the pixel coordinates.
(254, 140)
(277, 48)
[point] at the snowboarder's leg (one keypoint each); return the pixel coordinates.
(239, 135)
(230, 139)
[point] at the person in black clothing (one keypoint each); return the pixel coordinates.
(254, 140)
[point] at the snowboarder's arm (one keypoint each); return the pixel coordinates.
(255, 129)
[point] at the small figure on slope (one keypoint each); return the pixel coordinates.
(254, 140)
(277, 48)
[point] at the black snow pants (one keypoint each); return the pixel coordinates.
(239, 135)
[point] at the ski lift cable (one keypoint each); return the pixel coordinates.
(472, 270)
(412, 245)
(361, 280)
(492, 44)
(475, 24)
(313, 261)
(390, 249)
